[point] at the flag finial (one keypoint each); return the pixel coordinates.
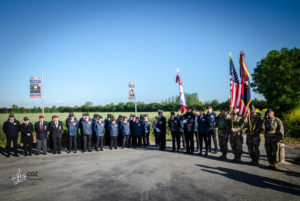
(229, 54)
(177, 70)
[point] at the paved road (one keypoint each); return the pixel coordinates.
(148, 174)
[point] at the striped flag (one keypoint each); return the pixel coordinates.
(236, 89)
(246, 95)
(183, 105)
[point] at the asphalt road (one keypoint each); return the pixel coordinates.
(148, 174)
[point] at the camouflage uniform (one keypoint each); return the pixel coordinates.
(236, 123)
(253, 123)
(274, 132)
(223, 136)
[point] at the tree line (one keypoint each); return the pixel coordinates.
(169, 104)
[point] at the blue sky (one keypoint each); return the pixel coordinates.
(90, 50)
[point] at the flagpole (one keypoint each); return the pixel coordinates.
(42, 93)
(135, 106)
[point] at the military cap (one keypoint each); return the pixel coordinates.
(160, 111)
(100, 116)
(41, 116)
(201, 109)
(11, 115)
(26, 118)
(209, 106)
(71, 114)
(222, 108)
(172, 113)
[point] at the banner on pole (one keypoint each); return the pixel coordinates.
(131, 91)
(35, 87)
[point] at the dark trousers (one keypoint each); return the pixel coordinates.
(107, 138)
(113, 141)
(27, 147)
(175, 138)
(197, 140)
(156, 139)
(56, 142)
(125, 141)
(162, 139)
(212, 134)
(146, 139)
(73, 141)
(86, 142)
(189, 140)
(15, 143)
(137, 140)
(99, 142)
(203, 136)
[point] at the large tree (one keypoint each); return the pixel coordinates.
(277, 77)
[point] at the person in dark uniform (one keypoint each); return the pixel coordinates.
(202, 131)
(161, 129)
(156, 136)
(146, 129)
(98, 128)
(41, 129)
(196, 129)
(120, 137)
(181, 129)
(137, 141)
(87, 132)
(125, 127)
(212, 131)
(174, 126)
(11, 129)
(131, 124)
(26, 136)
(56, 129)
(114, 131)
(107, 122)
(72, 125)
(189, 121)
(80, 128)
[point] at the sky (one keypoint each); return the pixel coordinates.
(90, 50)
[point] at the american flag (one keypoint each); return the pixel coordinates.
(236, 88)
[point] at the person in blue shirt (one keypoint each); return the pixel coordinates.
(114, 131)
(125, 128)
(203, 131)
(137, 141)
(146, 128)
(212, 133)
(98, 128)
(72, 126)
(87, 132)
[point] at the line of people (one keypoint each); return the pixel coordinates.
(227, 127)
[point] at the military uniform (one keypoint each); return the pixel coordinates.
(174, 126)
(274, 132)
(253, 124)
(223, 135)
(161, 128)
(236, 123)
(189, 122)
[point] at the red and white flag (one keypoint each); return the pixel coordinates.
(183, 105)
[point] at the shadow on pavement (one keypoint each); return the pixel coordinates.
(254, 180)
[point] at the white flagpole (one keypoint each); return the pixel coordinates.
(135, 106)
(42, 93)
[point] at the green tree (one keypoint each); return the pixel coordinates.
(277, 78)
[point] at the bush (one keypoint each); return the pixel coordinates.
(291, 124)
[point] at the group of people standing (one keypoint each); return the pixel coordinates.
(135, 131)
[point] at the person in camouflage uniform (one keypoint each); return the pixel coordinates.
(223, 135)
(253, 124)
(274, 132)
(236, 123)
